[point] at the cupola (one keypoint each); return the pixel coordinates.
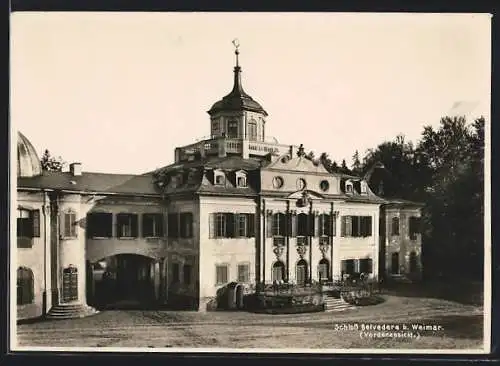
(28, 162)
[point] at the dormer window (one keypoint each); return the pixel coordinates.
(364, 188)
(219, 178)
(241, 179)
(349, 188)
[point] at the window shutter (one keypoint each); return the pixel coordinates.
(315, 226)
(230, 225)
(211, 225)
(89, 226)
(269, 225)
(135, 226)
(282, 224)
(250, 225)
(74, 231)
(333, 226)
(369, 226)
(63, 217)
(293, 226)
(35, 221)
(160, 224)
(146, 225)
(343, 226)
(190, 224)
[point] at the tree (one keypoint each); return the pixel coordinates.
(343, 168)
(50, 163)
(356, 164)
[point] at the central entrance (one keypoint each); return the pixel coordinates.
(122, 281)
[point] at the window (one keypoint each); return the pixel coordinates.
(241, 224)
(215, 128)
(173, 225)
(28, 227)
(324, 269)
(301, 272)
(175, 272)
(126, 225)
(395, 263)
(252, 130)
(232, 129)
(414, 227)
(365, 265)
(229, 225)
(364, 187)
(220, 179)
(152, 225)
(243, 273)
(68, 224)
(348, 266)
(395, 226)
(241, 181)
(324, 185)
(356, 226)
(186, 219)
(278, 224)
(100, 225)
(278, 271)
(187, 271)
(324, 223)
(278, 241)
(348, 188)
(302, 224)
(25, 286)
(221, 273)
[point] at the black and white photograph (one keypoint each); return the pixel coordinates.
(250, 182)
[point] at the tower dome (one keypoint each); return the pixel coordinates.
(237, 99)
(28, 162)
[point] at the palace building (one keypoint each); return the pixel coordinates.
(232, 208)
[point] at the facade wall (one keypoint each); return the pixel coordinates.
(223, 251)
(402, 243)
(37, 257)
(290, 181)
(97, 249)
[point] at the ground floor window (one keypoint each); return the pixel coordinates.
(348, 266)
(221, 273)
(301, 272)
(395, 263)
(278, 272)
(243, 273)
(324, 269)
(365, 265)
(25, 286)
(187, 270)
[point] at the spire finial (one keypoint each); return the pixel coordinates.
(236, 44)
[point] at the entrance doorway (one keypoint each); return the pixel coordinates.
(123, 281)
(302, 272)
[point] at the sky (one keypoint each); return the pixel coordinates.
(119, 91)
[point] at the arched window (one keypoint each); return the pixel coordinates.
(324, 269)
(252, 130)
(395, 263)
(395, 226)
(25, 286)
(413, 262)
(301, 272)
(278, 271)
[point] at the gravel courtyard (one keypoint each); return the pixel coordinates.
(450, 326)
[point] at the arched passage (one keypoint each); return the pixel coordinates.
(124, 280)
(324, 269)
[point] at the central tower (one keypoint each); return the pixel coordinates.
(238, 115)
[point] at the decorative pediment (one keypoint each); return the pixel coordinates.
(308, 193)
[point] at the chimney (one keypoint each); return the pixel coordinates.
(75, 169)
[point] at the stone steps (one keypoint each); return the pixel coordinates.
(333, 304)
(70, 311)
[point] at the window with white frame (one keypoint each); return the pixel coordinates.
(241, 180)
(186, 225)
(152, 225)
(349, 187)
(232, 129)
(242, 226)
(279, 224)
(126, 225)
(68, 224)
(243, 272)
(221, 274)
(220, 178)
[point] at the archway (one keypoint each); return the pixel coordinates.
(302, 272)
(278, 271)
(123, 281)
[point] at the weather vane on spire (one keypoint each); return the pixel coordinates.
(236, 45)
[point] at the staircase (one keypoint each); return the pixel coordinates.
(333, 304)
(70, 311)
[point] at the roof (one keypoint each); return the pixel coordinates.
(237, 99)
(215, 162)
(91, 182)
(400, 203)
